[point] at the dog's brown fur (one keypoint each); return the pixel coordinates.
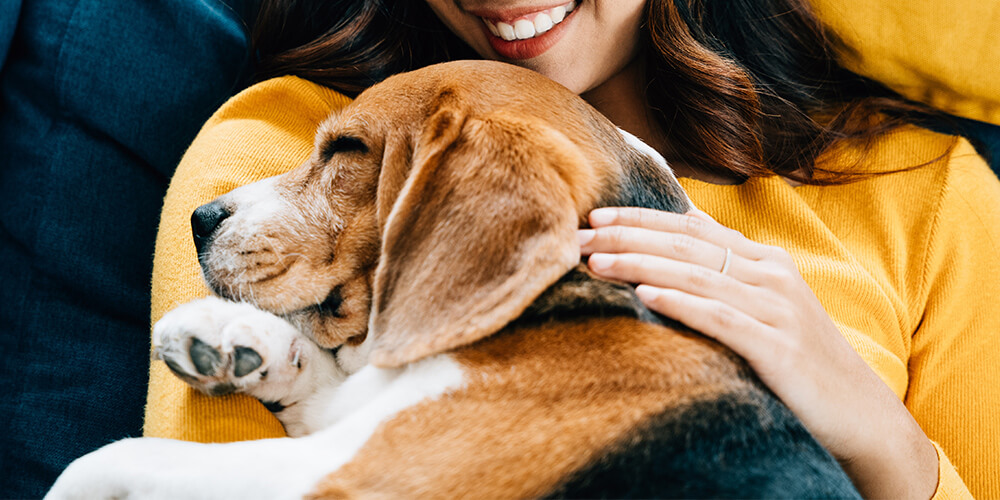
(546, 401)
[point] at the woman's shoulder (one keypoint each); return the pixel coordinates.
(946, 167)
(925, 189)
(920, 168)
(937, 189)
(905, 148)
(963, 192)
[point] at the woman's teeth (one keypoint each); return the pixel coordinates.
(531, 25)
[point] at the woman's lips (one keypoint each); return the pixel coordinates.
(529, 34)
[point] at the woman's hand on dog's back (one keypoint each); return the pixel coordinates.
(752, 298)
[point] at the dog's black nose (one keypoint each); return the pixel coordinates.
(205, 220)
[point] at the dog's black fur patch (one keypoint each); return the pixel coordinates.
(580, 293)
(745, 445)
(646, 184)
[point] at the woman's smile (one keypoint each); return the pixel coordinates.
(523, 33)
(578, 43)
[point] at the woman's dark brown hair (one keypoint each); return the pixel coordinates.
(741, 87)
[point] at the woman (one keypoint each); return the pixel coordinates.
(851, 264)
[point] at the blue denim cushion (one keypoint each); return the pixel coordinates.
(98, 101)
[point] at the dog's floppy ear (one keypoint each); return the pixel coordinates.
(485, 222)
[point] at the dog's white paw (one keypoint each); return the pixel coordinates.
(118, 470)
(220, 347)
(154, 469)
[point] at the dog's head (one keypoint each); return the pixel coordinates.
(439, 205)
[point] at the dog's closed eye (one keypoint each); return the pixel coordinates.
(332, 303)
(341, 144)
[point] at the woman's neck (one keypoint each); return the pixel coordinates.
(622, 98)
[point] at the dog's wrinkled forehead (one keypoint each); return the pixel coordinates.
(368, 123)
(370, 143)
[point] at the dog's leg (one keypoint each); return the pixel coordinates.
(220, 347)
(271, 468)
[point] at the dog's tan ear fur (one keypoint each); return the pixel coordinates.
(485, 222)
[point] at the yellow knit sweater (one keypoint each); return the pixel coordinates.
(905, 263)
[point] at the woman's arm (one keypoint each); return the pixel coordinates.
(954, 364)
(264, 131)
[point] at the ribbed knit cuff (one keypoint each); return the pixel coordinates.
(950, 485)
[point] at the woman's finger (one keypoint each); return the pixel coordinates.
(693, 279)
(693, 225)
(680, 247)
(718, 320)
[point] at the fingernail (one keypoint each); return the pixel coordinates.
(586, 236)
(600, 261)
(645, 293)
(603, 216)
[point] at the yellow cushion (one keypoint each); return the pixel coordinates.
(946, 54)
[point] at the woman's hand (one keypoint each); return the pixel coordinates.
(751, 297)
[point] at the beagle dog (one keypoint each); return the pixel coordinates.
(411, 302)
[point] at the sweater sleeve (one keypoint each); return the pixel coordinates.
(266, 130)
(954, 364)
(950, 485)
